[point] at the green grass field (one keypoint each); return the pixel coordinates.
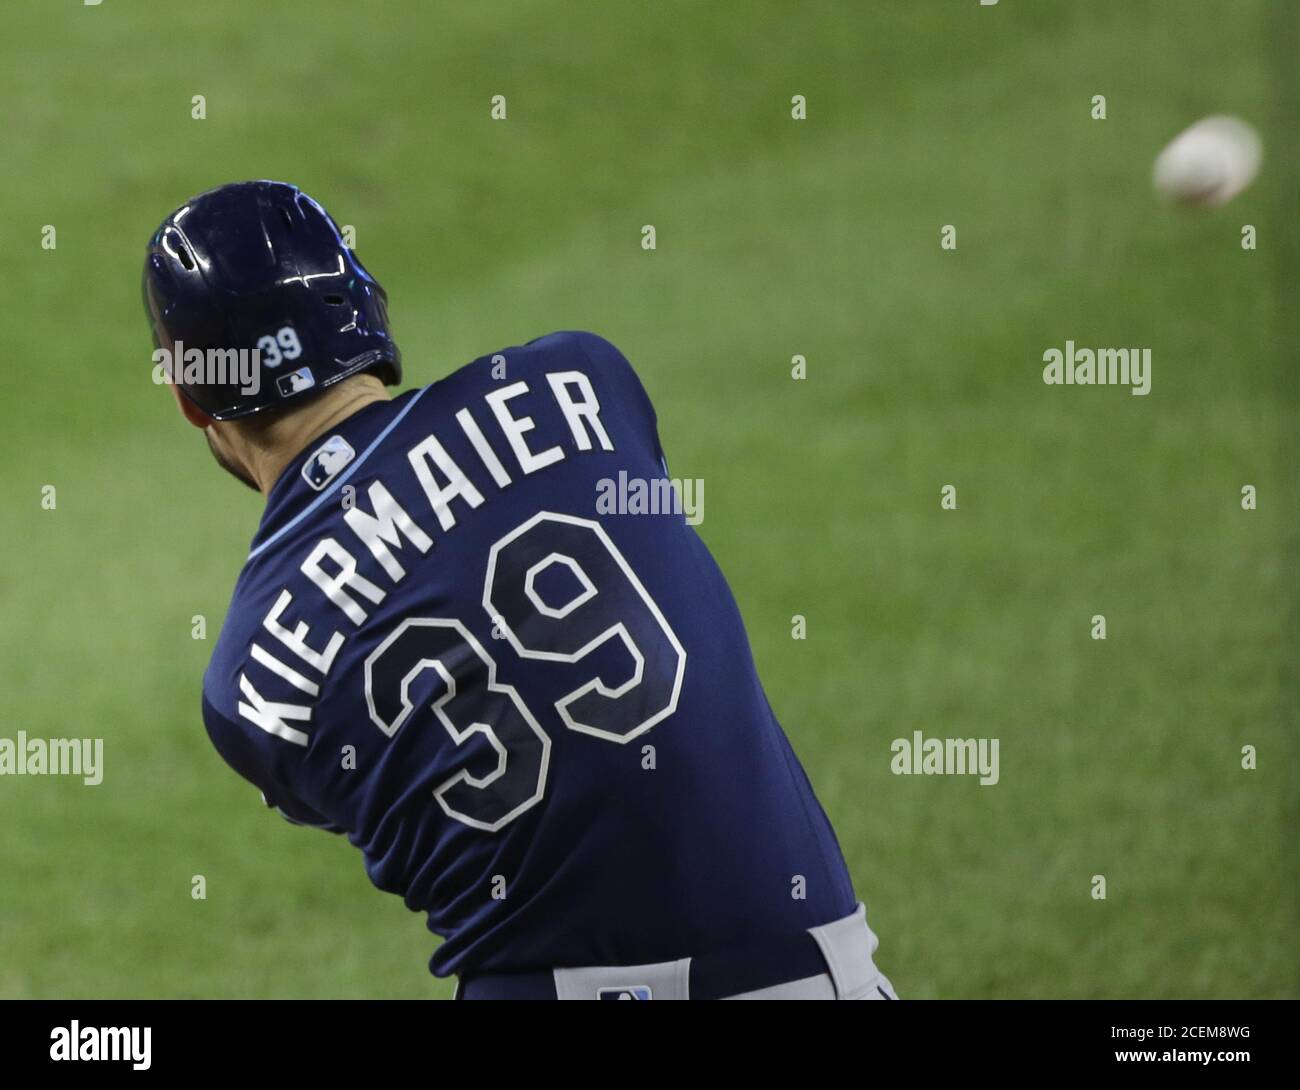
(776, 237)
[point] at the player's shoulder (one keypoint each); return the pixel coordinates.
(580, 340)
(568, 347)
(563, 350)
(536, 363)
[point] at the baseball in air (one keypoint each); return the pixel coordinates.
(1209, 163)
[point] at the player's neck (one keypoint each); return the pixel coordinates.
(266, 454)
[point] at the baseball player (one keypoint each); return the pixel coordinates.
(536, 717)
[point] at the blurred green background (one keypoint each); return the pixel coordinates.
(775, 237)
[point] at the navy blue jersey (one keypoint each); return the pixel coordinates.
(475, 635)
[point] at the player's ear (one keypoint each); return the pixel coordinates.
(189, 410)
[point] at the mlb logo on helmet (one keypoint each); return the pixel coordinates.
(295, 382)
(632, 991)
(326, 460)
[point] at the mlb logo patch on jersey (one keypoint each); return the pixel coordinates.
(326, 460)
(295, 382)
(632, 991)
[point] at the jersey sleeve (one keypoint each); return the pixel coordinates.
(241, 755)
(604, 356)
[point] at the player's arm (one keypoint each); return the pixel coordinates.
(240, 754)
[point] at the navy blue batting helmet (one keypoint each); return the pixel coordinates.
(261, 266)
